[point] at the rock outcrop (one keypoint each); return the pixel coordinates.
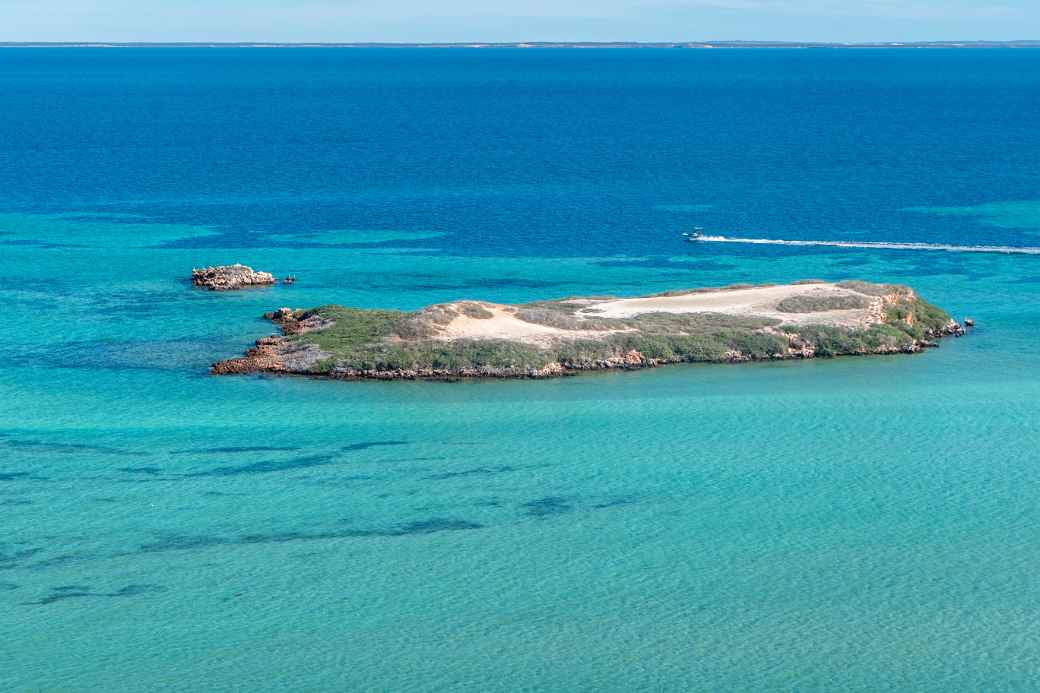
(274, 354)
(230, 277)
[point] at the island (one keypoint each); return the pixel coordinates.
(229, 277)
(474, 339)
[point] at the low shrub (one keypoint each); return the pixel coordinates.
(815, 303)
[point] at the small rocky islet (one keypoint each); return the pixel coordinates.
(474, 339)
(229, 277)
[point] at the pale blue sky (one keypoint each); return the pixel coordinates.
(516, 20)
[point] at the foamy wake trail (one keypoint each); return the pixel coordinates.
(1005, 249)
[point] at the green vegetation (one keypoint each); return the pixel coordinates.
(390, 339)
(808, 303)
(562, 316)
(924, 316)
(709, 345)
(873, 289)
(353, 330)
(828, 340)
(475, 310)
(455, 355)
(907, 322)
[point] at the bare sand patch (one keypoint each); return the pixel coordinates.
(503, 324)
(756, 301)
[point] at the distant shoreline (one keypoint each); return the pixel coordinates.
(536, 44)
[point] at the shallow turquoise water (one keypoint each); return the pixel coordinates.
(859, 524)
(853, 524)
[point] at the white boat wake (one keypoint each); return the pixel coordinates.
(1004, 249)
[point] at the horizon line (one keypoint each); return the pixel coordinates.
(735, 43)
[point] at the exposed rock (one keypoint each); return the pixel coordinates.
(950, 328)
(634, 358)
(273, 354)
(281, 315)
(229, 277)
(297, 321)
(266, 356)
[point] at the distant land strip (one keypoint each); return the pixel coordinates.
(536, 44)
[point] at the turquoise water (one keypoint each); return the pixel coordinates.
(852, 524)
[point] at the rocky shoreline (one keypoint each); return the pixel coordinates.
(302, 347)
(277, 354)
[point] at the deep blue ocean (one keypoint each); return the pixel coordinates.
(851, 524)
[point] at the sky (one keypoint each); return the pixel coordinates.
(517, 20)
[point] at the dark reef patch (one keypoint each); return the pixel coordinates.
(372, 444)
(268, 466)
(302, 462)
(180, 543)
(234, 449)
(544, 507)
(344, 480)
(435, 524)
(10, 558)
(39, 244)
(188, 543)
(151, 471)
(164, 543)
(134, 590)
(67, 448)
(476, 471)
(284, 537)
(614, 503)
(80, 592)
(62, 559)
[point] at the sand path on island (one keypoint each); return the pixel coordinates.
(758, 301)
(505, 325)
